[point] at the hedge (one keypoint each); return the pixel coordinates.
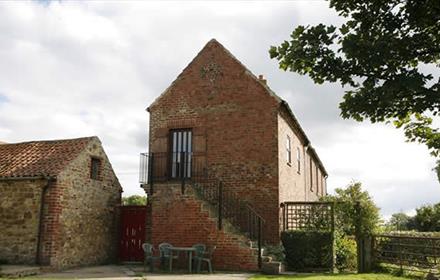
(308, 250)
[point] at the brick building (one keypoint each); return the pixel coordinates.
(58, 204)
(219, 118)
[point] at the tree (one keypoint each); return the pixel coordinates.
(377, 54)
(401, 221)
(427, 218)
(134, 200)
(356, 212)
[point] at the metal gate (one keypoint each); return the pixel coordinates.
(133, 222)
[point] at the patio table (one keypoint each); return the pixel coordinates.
(189, 250)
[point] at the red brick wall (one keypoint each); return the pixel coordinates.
(182, 221)
(50, 230)
(235, 123)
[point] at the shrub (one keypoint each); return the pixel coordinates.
(307, 250)
(276, 252)
(346, 252)
(356, 212)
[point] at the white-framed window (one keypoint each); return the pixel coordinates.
(288, 150)
(298, 160)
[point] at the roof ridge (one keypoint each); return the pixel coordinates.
(51, 140)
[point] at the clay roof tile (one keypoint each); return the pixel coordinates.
(39, 158)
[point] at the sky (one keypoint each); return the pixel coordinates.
(74, 69)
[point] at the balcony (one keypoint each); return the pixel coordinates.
(162, 167)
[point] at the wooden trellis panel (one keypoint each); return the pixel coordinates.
(308, 216)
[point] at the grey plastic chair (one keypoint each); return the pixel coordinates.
(206, 257)
(166, 254)
(199, 253)
(149, 256)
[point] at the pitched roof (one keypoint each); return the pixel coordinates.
(282, 103)
(39, 158)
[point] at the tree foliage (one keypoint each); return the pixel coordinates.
(377, 54)
(134, 200)
(356, 212)
(427, 218)
(401, 222)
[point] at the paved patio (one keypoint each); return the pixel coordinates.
(13, 271)
(131, 272)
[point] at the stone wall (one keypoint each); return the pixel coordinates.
(234, 122)
(184, 220)
(87, 232)
(20, 202)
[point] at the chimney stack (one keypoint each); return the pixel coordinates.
(262, 79)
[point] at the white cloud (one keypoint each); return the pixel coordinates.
(70, 69)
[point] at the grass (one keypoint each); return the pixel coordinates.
(369, 276)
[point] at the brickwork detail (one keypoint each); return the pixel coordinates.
(184, 220)
(243, 155)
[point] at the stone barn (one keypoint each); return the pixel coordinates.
(58, 203)
(225, 153)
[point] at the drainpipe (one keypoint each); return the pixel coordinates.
(40, 222)
(306, 176)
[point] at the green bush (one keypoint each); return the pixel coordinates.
(346, 253)
(307, 250)
(276, 252)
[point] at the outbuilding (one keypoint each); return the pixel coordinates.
(58, 203)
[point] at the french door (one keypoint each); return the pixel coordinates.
(181, 153)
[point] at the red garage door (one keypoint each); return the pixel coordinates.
(133, 219)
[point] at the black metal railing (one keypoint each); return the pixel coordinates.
(191, 168)
(159, 167)
(231, 208)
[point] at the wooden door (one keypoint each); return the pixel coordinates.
(133, 223)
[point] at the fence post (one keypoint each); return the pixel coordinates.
(359, 243)
(182, 170)
(367, 258)
(400, 256)
(332, 212)
(284, 216)
(220, 204)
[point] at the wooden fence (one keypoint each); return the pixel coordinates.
(407, 252)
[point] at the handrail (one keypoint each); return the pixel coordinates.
(190, 168)
(231, 208)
